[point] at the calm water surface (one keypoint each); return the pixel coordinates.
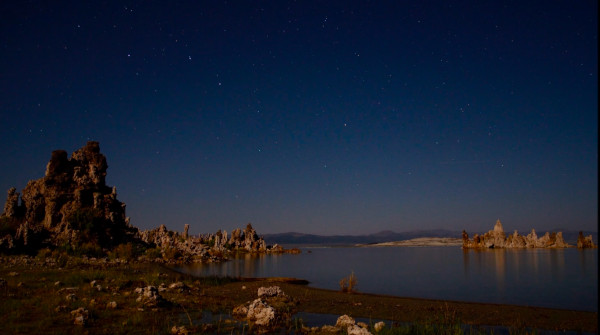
(564, 278)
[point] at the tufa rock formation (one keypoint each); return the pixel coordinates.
(496, 238)
(210, 246)
(70, 205)
(72, 208)
(585, 242)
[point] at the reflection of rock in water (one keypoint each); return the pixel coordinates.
(496, 238)
(557, 261)
(500, 258)
(466, 262)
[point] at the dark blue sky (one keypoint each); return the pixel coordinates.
(328, 117)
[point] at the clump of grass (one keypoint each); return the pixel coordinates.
(348, 284)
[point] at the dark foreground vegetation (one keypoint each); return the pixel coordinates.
(69, 295)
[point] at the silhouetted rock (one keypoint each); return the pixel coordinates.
(70, 205)
(496, 238)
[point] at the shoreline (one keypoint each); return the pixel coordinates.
(36, 290)
(411, 309)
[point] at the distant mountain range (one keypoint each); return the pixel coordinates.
(570, 237)
(383, 236)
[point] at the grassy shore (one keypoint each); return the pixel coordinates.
(38, 297)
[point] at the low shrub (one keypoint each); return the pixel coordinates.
(122, 251)
(348, 284)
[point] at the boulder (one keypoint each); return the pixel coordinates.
(357, 330)
(149, 297)
(344, 321)
(272, 309)
(261, 314)
(272, 291)
(379, 326)
(347, 324)
(81, 316)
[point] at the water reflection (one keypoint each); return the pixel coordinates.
(560, 278)
(583, 262)
(500, 261)
(487, 263)
(557, 260)
(466, 262)
(512, 272)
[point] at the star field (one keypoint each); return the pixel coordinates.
(318, 117)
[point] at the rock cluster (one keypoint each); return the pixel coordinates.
(71, 204)
(210, 246)
(585, 242)
(178, 244)
(72, 208)
(81, 316)
(497, 238)
(149, 297)
(247, 240)
(271, 310)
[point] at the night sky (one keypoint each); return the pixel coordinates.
(326, 117)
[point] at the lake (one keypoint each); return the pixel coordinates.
(557, 278)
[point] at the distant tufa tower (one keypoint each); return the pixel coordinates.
(498, 227)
